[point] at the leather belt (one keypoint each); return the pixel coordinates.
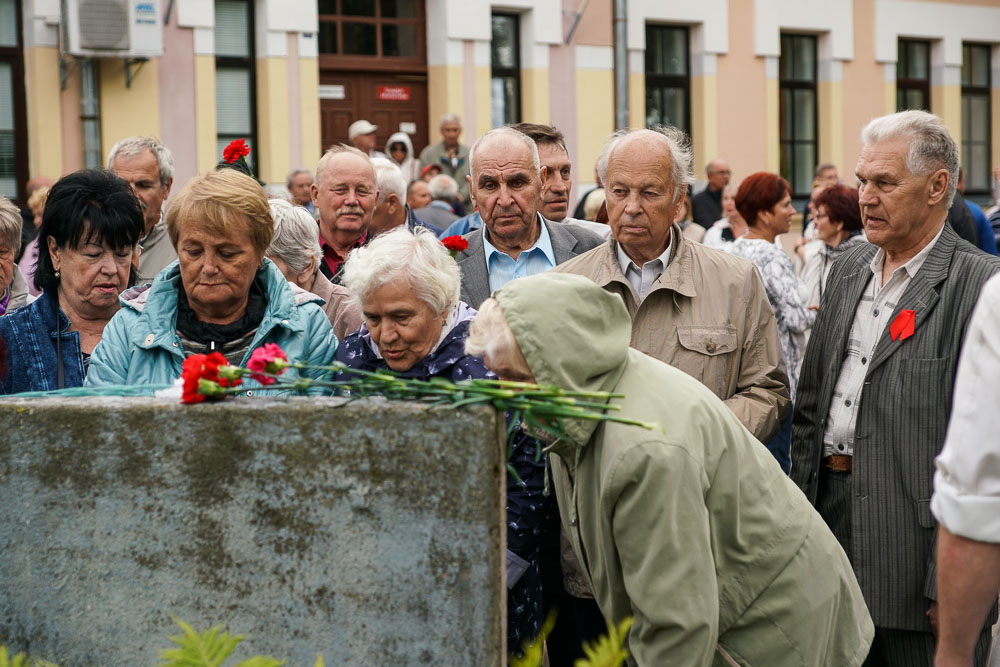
(838, 463)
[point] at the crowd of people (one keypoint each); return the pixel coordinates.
(783, 515)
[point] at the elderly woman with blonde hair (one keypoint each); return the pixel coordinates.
(220, 295)
(295, 251)
(13, 287)
(416, 326)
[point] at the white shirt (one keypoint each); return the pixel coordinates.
(967, 483)
(870, 319)
(642, 279)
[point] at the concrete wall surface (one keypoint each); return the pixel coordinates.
(371, 533)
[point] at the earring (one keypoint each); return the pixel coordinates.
(58, 275)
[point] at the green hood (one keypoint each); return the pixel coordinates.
(573, 334)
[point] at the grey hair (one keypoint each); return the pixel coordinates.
(333, 151)
(680, 156)
(490, 334)
(511, 134)
(136, 146)
(295, 172)
(400, 255)
(443, 187)
(296, 239)
(388, 180)
(10, 225)
(931, 146)
(451, 118)
(277, 191)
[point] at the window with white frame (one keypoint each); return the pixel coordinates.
(235, 77)
(797, 111)
(668, 77)
(913, 75)
(976, 118)
(505, 66)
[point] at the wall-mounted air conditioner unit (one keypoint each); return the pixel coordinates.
(112, 28)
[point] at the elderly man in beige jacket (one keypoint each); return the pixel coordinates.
(700, 310)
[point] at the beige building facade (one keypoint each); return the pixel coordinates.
(778, 85)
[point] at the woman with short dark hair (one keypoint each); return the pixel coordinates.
(765, 202)
(90, 228)
(839, 227)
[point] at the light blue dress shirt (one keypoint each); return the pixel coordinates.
(539, 258)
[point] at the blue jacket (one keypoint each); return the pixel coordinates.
(463, 226)
(28, 348)
(141, 346)
(987, 242)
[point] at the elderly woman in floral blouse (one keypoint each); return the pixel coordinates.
(416, 326)
(765, 202)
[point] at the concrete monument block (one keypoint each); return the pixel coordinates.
(371, 533)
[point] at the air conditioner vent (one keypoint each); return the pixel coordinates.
(104, 24)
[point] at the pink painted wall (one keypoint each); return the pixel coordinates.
(596, 23)
(177, 101)
(862, 73)
(742, 102)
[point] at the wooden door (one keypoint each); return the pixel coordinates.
(394, 102)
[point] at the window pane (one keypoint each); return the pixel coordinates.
(232, 102)
(327, 6)
(666, 51)
(980, 66)
(357, 8)
(654, 105)
(231, 28)
(359, 39)
(401, 9)
(804, 112)
(976, 124)
(785, 114)
(919, 60)
(8, 23)
(674, 107)
(914, 99)
(503, 101)
(976, 160)
(399, 40)
(785, 58)
(805, 59)
(503, 48)
(805, 166)
(327, 37)
(8, 163)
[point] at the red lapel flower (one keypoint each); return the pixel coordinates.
(201, 375)
(267, 359)
(454, 244)
(235, 150)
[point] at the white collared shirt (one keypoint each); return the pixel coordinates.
(870, 319)
(642, 279)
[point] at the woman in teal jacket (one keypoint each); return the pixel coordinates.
(220, 295)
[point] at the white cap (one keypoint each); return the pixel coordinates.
(360, 127)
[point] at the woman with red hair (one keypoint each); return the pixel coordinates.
(839, 227)
(765, 202)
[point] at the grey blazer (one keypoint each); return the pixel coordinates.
(568, 241)
(902, 418)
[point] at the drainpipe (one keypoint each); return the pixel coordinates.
(621, 65)
(90, 114)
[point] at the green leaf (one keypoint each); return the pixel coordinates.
(261, 661)
(319, 661)
(609, 650)
(206, 649)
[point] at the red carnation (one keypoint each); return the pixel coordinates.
(235, 150)
(267, 359)
(454, 244)
(199, 367)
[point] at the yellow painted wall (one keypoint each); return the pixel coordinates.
(482, 102)
(890, 97)
(205, 127)
(272, 120)
(831, 122)
(445, 93)
(128, 112)
(595, 115)
(772, 121)
(535, 95)
(704, 119)
(636, 100)
(312, 147)
(995, 125)
(44, 114)
(946, 102)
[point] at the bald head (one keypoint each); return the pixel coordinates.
(499, 140)
(631, 148)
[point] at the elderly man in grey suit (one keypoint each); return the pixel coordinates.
(505, 184)
(876, 383)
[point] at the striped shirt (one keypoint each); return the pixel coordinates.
(870, 319)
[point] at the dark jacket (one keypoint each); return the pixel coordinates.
(901, 421)
(29, 362)
(528, 509)
(961, 220)
(706, 207)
